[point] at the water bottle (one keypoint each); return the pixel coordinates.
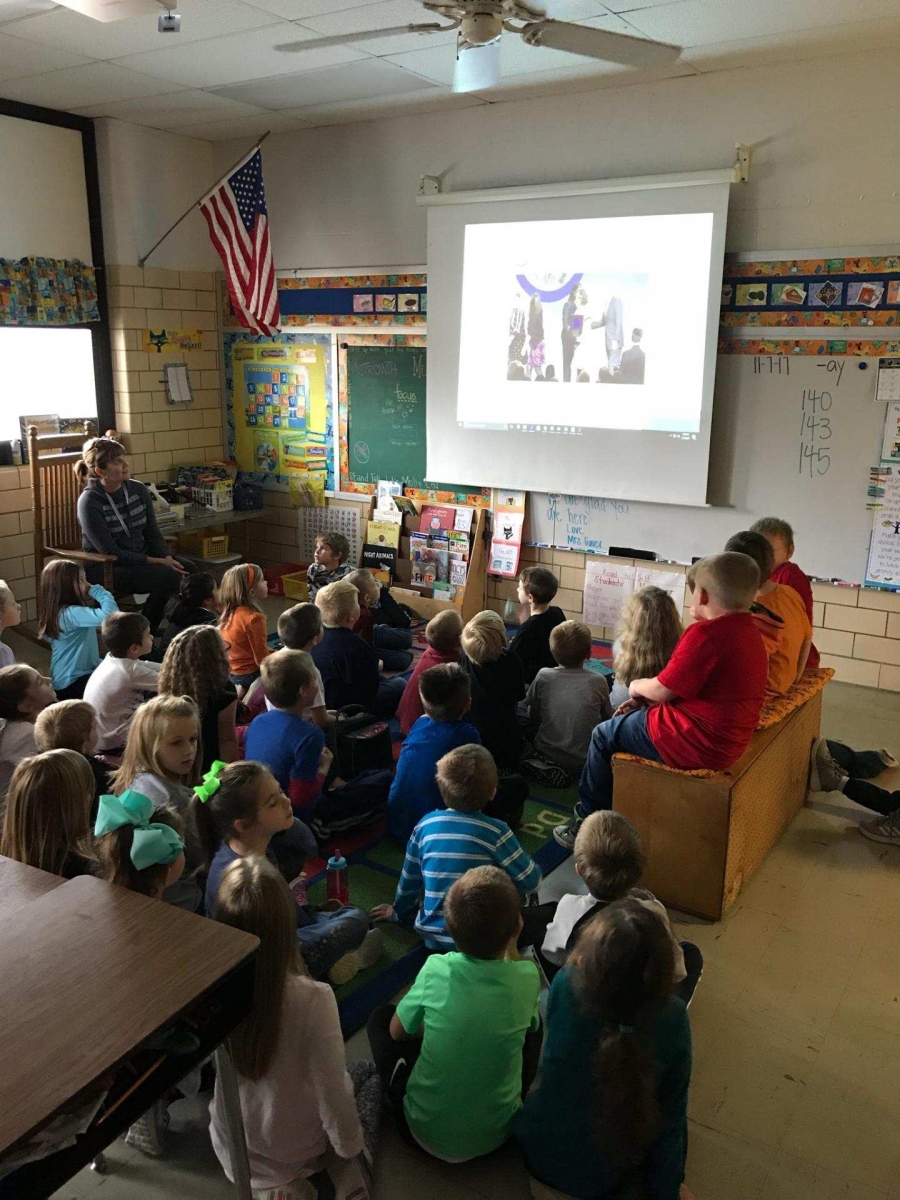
(337, 882)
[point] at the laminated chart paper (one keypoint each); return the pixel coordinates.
(336, 518)
(608, 585)
(883, 569)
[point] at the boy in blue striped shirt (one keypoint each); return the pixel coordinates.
(446, 844)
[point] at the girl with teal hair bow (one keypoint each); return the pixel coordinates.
(141, 847)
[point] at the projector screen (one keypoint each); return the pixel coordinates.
(609, 297)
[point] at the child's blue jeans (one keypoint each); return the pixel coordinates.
(626, 734)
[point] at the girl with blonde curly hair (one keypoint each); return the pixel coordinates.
(196, 665)
(649, 629)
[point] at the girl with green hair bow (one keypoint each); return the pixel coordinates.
(141, 847)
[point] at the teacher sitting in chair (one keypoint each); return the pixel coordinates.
(116, 517)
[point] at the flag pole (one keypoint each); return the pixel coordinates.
(188, 212)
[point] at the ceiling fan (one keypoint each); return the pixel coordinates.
(480, 23)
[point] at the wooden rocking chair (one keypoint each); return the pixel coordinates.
(54, 502)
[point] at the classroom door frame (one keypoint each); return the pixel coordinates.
(100, 336)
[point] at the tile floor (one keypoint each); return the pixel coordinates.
(796, 1089)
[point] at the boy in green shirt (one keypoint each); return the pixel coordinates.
(462, 1047)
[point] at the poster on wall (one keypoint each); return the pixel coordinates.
(608, 585)
(280, 412)
(883, 569)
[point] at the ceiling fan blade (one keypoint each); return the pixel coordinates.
(599, 43)
(477, 67)
(339, 39)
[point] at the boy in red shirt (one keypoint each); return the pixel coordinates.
(780, 537)
(701, 710)
(443, 634)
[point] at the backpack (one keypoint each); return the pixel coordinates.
(361, 742)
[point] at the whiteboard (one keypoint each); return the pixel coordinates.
(793, 437)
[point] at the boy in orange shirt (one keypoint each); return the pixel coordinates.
(780, 537)
(780, 615)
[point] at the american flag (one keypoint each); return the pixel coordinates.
(235, 212)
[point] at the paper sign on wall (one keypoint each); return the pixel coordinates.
(883, 569)
(336, 518)
(608, 585)
(606, 588)
(506, 539)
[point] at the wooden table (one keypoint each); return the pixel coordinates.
(205, 518)
(90, 973)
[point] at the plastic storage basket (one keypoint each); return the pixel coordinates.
(218, 496)
(295, 587)
(204, 545)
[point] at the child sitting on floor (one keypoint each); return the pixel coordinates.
(300, 628)
(330, 563)
(443, 634)
(24, 693)
(779, 615)
(648, 632)
(566, 702)
(10, 617)
(47, 823)
(294, 751)
(701, 710)
(531, 642)
(197, 604)
(608, 1117)
(462, 1047)
(303, 1112)
(349, 668)
(71, 613)
(609, 860)
(72, 725)
(445, 844)
(392, 657)
(161, 762)
(498, 684)
(444, 692)
(243, 622)
(122, 679)
(780, 537)
(235, 814)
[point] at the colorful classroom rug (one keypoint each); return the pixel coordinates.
(375, 860)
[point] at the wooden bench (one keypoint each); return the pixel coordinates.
(708, 833)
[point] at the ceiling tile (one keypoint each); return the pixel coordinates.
(238, 57)
(845, 40)
(78, 87)
(174, 110)
(384, 15)
(626, 6)
(700, 22)
(384, 107)
(356, 81)
(114, 39)
(11, 10)
(574, 80)
(242, 127)
(299, 10)
(18, 58)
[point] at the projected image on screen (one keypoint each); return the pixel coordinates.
(581, 327)
(616, 303)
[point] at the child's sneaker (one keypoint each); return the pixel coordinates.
(566, 834)
(887, 758)
(825, 774)
(883, 829)
(542, 770)
(367, 955)
(147, 1134)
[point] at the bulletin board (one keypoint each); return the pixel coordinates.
(279, 406)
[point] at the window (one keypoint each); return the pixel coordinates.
(45, 371)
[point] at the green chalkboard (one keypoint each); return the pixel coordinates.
(386, 416)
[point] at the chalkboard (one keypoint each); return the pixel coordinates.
(386, 413)
(793, 437)
(386, 417)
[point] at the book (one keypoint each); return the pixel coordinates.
(383, 533)
(463, 521)
(459, 543)
(458, 572)
(435, 517)
(379, 558)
